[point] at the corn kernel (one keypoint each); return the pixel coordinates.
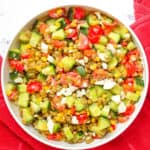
(93, 66)
(38, 68)
(44, 59)
(113, 122)
(111, 129)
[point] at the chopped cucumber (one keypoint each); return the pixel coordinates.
(70, 13)
(94, 110)
(49, 70)
(103, 123)
(113, 106)
(70, 101)
(95, 92)
(116, 89)
(99, 47)
(84, 30)
(68, 63)
(131, 46)
(68, 133)
(79, 104)
(133, 96)
(41, 125)
(25, 36)
(112, 63)
(56, 127)
(45, 105)
(41, 77)
(121, 30)
(114, 36)
(22, 88)
(105, 111)
(62, 22)
(35, 39)
(50, 22)
(81, 70)
(36, 99)
(103, 40)
(14, 54)
(92, 20)
(58, 35)
(9, 88)
(27, 116)
(23, 100)
(35, 108)
(139, 81)
(13, 75)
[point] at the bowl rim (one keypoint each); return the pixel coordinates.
(129, 122)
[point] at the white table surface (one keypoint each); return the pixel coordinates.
(15, 13)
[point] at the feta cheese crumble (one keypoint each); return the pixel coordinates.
(101, 56)
(116, 98)
(44, 47)
(63, 100)
(107, 83)
(81, 93)
(122, 107)
(104, 65)
(50, 124)
(67, 91)
(74, 120)
(18, 80)
(111, 48)
(83, 61)
(50, 59)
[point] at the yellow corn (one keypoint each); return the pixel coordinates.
(93, 66)
(38, 68)
(44, 59)
(113, 122)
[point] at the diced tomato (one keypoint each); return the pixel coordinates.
(83, 42)
(43, 27)
(79, 13)
(82, 118)
(55, 136)
(58, 43)
(113, 127)
(108, 27)
(96, 137)
(34, 86)
(131, 69)
(17, 65)
(124, 43)
(56, 13)
(75, 78)
(73, 110)
(122, 119)
(13, 95)
(94, 33)
(25, 56)
(71, 33)
(130, 109)
(128, 84)
(56, 103)
(99, 74)
(85, 83)
(89, 53)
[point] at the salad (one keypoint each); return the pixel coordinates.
(75, 75)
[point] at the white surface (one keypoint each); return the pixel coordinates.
(15, 13)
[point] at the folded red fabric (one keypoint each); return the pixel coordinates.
(136, 137)
(142, 8)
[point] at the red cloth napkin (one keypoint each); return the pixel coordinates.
(136, 137)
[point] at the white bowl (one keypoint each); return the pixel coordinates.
(63, 145)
